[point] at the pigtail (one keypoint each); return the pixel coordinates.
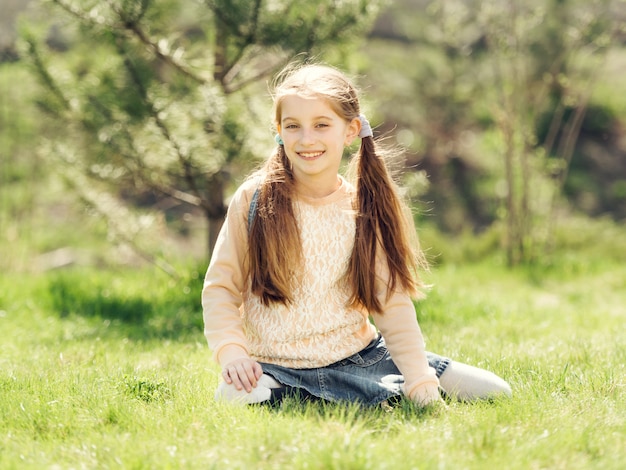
(274, 238)
(383, 221)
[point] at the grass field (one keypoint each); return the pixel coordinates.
(106, 369)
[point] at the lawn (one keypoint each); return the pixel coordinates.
(109, 369)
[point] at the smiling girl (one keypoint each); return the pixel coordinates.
(306, 259)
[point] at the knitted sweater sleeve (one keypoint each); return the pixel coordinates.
(404, 340)
(225, 280)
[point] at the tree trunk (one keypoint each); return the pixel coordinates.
(215, 209)
(214, 227)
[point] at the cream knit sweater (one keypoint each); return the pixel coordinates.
(319, 328)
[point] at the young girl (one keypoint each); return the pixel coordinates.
(305, 259)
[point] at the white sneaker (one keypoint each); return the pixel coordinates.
(262, 392)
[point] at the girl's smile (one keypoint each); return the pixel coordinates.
(310, 155)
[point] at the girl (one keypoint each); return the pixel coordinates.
(306, 258)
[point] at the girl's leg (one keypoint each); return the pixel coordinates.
(466, 383)
(261, 393)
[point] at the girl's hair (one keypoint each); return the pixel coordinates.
(383, 219)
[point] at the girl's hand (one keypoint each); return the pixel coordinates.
(428, 395)
(243, 373)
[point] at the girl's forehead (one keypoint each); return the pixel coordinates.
(296, 105)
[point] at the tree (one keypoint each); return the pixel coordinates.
(482, 78)
(545, 58)
(157, 97)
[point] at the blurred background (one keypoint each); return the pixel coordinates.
(125, 125)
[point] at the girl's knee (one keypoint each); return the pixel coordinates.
(467, 383)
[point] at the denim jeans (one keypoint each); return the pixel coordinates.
(368, 377)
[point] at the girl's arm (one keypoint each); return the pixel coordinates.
(224, 283)
(403, 336)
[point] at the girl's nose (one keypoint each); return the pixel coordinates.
(307, 136)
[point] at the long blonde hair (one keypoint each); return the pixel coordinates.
(383, 219)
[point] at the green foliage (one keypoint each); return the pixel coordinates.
(22, 171)
(291, 25)
(595, 172)
(472, 107)
(599, 120)
(17, 128)
(579, 246)
(147, 91)
(153, 111)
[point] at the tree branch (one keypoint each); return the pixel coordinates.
(139, 164)
(154, 114)
(132, 25)
(45, 75)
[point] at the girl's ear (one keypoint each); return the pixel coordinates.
(352, 131)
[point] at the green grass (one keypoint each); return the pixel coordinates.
(109, 369)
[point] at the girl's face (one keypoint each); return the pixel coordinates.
(314, 136)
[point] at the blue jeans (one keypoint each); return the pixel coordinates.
(368, 377)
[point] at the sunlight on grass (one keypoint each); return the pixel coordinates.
(85, 384)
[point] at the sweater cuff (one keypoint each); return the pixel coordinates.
(229, 353)
(425, 390)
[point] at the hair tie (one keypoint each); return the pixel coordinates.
(366, 129)
(279, 139)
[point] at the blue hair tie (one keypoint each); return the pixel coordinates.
(366, 129)
(279, 139)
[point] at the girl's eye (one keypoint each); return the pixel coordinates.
(291, 126)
